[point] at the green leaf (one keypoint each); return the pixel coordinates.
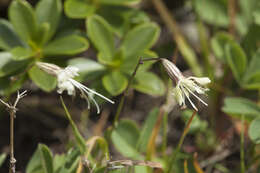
(2, 158)
(140, 38)
(124, 138)
(102, 37)
(68, 45)
(79, 8)
(46, 159)
(34, 165)
(8, 38)
(254, 130)
(236, 59)
(20, 53)
(251, 40)
(87, 67)
(212, 11)
(8, 65)
(115, 82)
(119, 2)
(149, 83)
(218, 43)
(9, 86)
(49, 11)
(43, 80)
(79, 138)
(147, 130)
(22, 17)
(241, 106)
(251, 79)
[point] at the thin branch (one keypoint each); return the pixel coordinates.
(12, 111)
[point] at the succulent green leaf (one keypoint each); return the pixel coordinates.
(43, 80)
(124, 138)
(102, 37)
(149, 83)
(115, 82)
(79, 8)
(140, 38)
(212, 11)
(241, 106)
(46, 159)
(8, 65)
(8, 38)
(22, 17)
(68, 45)
(20, 53)
(49, 11)
(236, 59)
(251, 79)
(251, 40)
(254, 130)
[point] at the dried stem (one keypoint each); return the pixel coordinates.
(232, 16)
(185, 131)
(12, 111)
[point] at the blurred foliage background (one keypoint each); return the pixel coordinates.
(104, 39)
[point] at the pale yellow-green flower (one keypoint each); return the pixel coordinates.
(186, 86)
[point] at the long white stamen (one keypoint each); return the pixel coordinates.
(196, 96)
(79, 85)
(192, 104)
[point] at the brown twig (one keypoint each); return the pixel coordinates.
(232, 16)
(12, 111)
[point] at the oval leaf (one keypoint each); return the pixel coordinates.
(149, 83)
(101, 35)
(23, 19)
(236, 59)
(254, 130)
(8, 65)
(49, 11)
(140, 38)
(251, 79)
(20, 53)
(212, 11)
(43, 80)
(115, 83)
(241, 106)
(125, 137)
(69, 45)
(79, 8)
(8, 38)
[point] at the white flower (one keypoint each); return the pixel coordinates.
(66, 82)
(186, 86)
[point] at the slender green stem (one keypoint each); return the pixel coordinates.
(242, 151)
(176, 152)
(165, 127)
(122, 101)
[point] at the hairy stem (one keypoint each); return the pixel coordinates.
(12, 159)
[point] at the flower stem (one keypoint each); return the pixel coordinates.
(176, 152)
(122, 101)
